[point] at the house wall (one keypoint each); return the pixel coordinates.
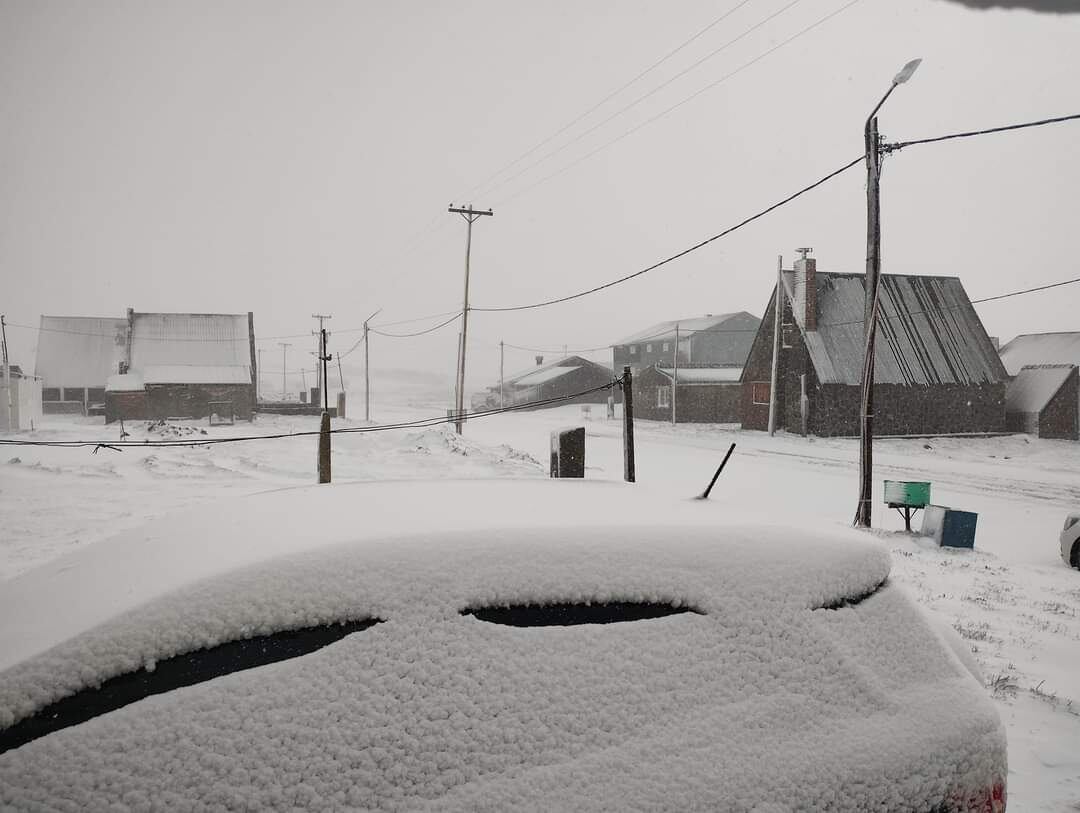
(728, 344)
(1061, 417)
(644, 358)
(694, 403)
(161, 401)
(583, 378)
(1024, 422)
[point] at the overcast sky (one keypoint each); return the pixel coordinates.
(290, 158)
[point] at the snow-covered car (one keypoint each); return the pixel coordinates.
(540, 645)
(1070, 540)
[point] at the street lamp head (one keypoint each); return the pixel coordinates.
(906, 72)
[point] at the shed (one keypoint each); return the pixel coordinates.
(24, 413)
(935, 368)
(692, 394)
(1044, 400)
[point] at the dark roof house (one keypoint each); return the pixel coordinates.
(567, 377)
(1042, 397)
(935, 368)
(689, 394)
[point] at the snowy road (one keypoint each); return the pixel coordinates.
(1012, 598)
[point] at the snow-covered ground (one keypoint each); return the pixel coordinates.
(1012, 598)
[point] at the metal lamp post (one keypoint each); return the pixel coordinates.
(873, 275)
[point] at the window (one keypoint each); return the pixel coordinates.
(633, 350)
(50, 393)
(663, 396)
(761, 392)
(787, 333)
(667, 347)
(648, 348)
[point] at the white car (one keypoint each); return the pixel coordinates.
(506, 645)
(1070, 540)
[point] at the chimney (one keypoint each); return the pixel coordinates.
(539, 361)
(805, 302)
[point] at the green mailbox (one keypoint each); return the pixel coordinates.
(907, 498)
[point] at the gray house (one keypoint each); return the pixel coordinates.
(703, 341)
(1043, 396)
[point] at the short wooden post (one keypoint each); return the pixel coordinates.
(629, 475)
(324, 449)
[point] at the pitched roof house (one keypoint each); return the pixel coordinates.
(1043, 397)
(564, 377)
(75, 356)
(935, 368)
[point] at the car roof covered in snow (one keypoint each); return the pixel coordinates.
(773, 688)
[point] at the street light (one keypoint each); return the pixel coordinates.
(872, 145)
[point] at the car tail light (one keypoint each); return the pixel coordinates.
(1070, 521)
(988, 800)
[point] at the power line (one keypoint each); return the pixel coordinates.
(472, 192)
(972, 133)
(684, 252)
(453, 318)
(419, 423)
(675, 106)
(643, 97)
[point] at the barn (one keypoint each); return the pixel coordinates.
(1042, 398)
(689, 394)
(564, 378)
(935, 368)
(187, 365)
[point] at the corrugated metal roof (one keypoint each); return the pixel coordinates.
(1041, 348)
(565, 361)
(190, 339)
(666, 330)
(704, 375)
(543, 376)
(79, 351)
(928, 332)
(1034, 386)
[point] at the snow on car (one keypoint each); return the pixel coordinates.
(1070, 540)
(485, 645)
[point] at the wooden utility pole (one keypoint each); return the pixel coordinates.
(284, 348)
(471, 215)
(10, 403)
(258, 379)
(778, 315)
(367, 376)
(324, 448)
(502, 388)
(320, 350)
(323, 358)
(629, 473)
(675, 376)
(873, 278)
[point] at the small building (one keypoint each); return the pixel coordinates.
(721, 340)
(21, 412)
(1044, 400)
(564, 378)
(75, 356)
(935, 368)
(185, 365)
(692, 394)
(1038, 362)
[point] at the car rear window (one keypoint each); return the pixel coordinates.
(567, 614)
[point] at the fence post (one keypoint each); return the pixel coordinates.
(628, 425)
(324, 448)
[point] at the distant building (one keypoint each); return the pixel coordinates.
(150, 365)
(22, 412)
(563, 378)
(935, 368)
(1043, 397)
(75, 356)
(693, 394)
(721, 340)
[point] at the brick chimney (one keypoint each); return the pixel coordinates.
(539, 361)
(805, 303)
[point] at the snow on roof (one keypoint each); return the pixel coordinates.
(196, 374)
(543, 376)
(1041, 348)
(704, 375)
(79, 351)
(1034, 386)
(928, 332)
(130, 382)
(565, 361)
(199, 340)
(760, 699)
(666, 330)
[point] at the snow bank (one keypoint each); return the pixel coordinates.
(762, 699)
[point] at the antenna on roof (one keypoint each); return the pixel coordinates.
(802, 252)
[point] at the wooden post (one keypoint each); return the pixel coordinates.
(324, 449)
(778, 315)
(675, 376)
(629, 475)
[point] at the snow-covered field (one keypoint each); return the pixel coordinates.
(1012, 599)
